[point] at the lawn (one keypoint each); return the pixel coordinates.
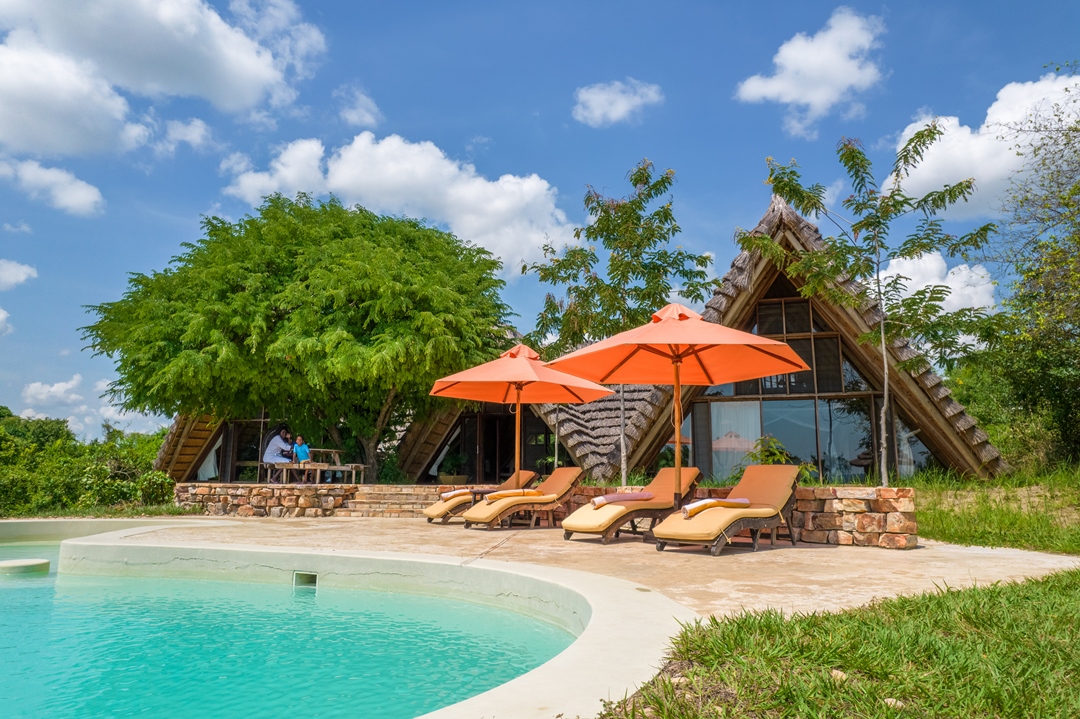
(1027, 510)
(1005, 650)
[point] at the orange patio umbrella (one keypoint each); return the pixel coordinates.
(679, 347)
(518, 376)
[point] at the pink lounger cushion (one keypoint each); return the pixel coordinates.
(598, 502)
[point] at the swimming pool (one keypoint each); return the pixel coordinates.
(93, 646)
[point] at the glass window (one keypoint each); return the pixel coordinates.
(720, 390)
(797, 315)
(792, 422)
(780, 288)
(775, 384)
(820, 325)
(827, 353)
(911, 454)
(735, 428)
(748, 387)
(853, 379)
(846, 436)
(802, 382)
(771, 318)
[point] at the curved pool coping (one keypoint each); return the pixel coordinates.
(623, 629)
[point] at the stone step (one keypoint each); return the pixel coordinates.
(392, 513)
(381, 506)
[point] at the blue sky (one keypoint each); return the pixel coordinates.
(124, 121)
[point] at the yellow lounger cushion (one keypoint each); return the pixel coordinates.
(496, 496)
(437, 510)
(485, 512)
(455, 493)
(695, 507)
(708, 525)
(591, 520)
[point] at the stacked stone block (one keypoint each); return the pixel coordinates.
(860, 516)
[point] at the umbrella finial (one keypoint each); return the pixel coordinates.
(675, 311)
(520, 350)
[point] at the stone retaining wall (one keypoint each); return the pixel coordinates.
(265, 500)
(861, 516)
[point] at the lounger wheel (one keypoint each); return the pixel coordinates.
(430, 520)
(468, 524)
(660, 546)
(715, 549)
(567, 534)
(605, 540)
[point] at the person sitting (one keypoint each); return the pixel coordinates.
(278, 451)
(302, 454)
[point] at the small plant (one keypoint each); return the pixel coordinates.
(769, 450)
(452, 463)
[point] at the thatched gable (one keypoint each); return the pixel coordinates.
(591, 432)
(185, 443)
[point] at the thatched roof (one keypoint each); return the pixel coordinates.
(184, 442)
(591, 432)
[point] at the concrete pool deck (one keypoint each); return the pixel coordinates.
(804, 578)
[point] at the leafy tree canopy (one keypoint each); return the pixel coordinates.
(642, 269)
(334, 318)
(1035, 342)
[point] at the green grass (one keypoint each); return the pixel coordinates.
(1007, 650)
(161, 510)
(1027, 510)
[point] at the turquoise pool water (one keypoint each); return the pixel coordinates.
(96, 647)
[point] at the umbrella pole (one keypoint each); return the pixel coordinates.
(678, 434)
(517, 435)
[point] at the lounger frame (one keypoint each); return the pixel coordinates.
(464, 506)
(534, 508)
(655, 515)
(754, 524)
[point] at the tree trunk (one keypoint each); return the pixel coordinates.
(883, 462)
(371, 443)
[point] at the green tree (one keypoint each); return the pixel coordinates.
(1035, 341)
(641, 271)
(334, 317)
(847, 270)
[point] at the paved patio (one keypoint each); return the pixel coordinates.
(803, 578)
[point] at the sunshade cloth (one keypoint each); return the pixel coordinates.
(678, 347)
(519, 377)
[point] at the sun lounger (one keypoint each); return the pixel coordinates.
(608, 520)
(554, 491)
(771, 491)
(446, 509)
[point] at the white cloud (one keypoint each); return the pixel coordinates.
(235, 163)
(981, 153)
(359, 110)
(54, 104)
(5, 324)
(31, 413)
(60, 188)
(13, 274)
(62, 68)
(512, 216)
(607, 103)
(59, 393)
(832, 193)
(20, 226)
(194, 133)
(971, 286)
(179, 47)
(815, 74)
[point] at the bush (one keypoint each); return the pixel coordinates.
(155, 487)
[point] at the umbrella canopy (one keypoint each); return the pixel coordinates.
(518, 376)
(678, 347)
